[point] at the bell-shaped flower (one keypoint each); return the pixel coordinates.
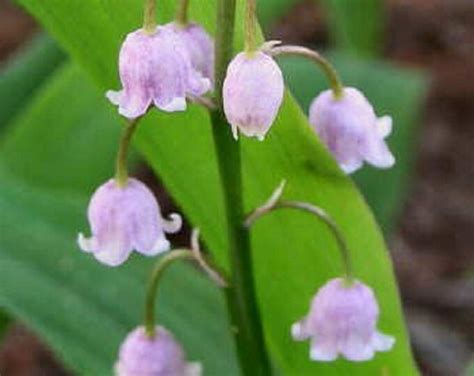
(342, 321)
(124, 219)
(200, 47)
(160, 355)
(156, 68)
(351, 130)
(252, 93)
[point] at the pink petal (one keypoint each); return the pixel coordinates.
(323, 352)
(378, 154)
(382, 342)
(252, 93)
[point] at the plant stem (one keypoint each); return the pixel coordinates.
(182, 13)
(149, 16)
(330, 72)
(241, 298)
(121, 170)
(156, 275)
(250, 26)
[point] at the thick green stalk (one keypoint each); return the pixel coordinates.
(241, 298)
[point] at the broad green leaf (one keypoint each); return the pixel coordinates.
(25, 72)
(356, 26)
(392, 91)
(19, 78)
(81, 308)
(293, 255)
(78, 133)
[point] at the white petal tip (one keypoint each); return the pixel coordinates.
(385, 162)
(114, 96)
(86, 244)
(129, 114)
(317, 354)
(173, 224)
(350, 168)
(297, 332)
(176, 104)
(384, 126)
(379, 155)
(383, 342)
(109, 259)
(131, 111)
(161, 245)
(362, 357)
(206, 85)
(235, 131)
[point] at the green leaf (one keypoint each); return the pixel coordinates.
(78, 131)
(293, 255)
(398, 93)
(81, 308)
(356, 26)
(24, 73)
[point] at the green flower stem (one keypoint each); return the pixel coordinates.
(330, 72)
(121, 171)
(318, 213)
(182, 13)
(250, 26)
(241, 299)
(156, 275)
(149, 16)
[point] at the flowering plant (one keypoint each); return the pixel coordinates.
(245, 97)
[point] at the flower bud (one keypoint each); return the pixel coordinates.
(199, 45)
(161, 355)
(252, 93)
(342, 320)
(123, 219)
(155, 68)
(351, 130)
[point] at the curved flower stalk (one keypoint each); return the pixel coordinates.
(344, 312)
(151, 350)
(351, 130)
(193, 254)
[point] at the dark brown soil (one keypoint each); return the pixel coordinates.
(433, 249)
